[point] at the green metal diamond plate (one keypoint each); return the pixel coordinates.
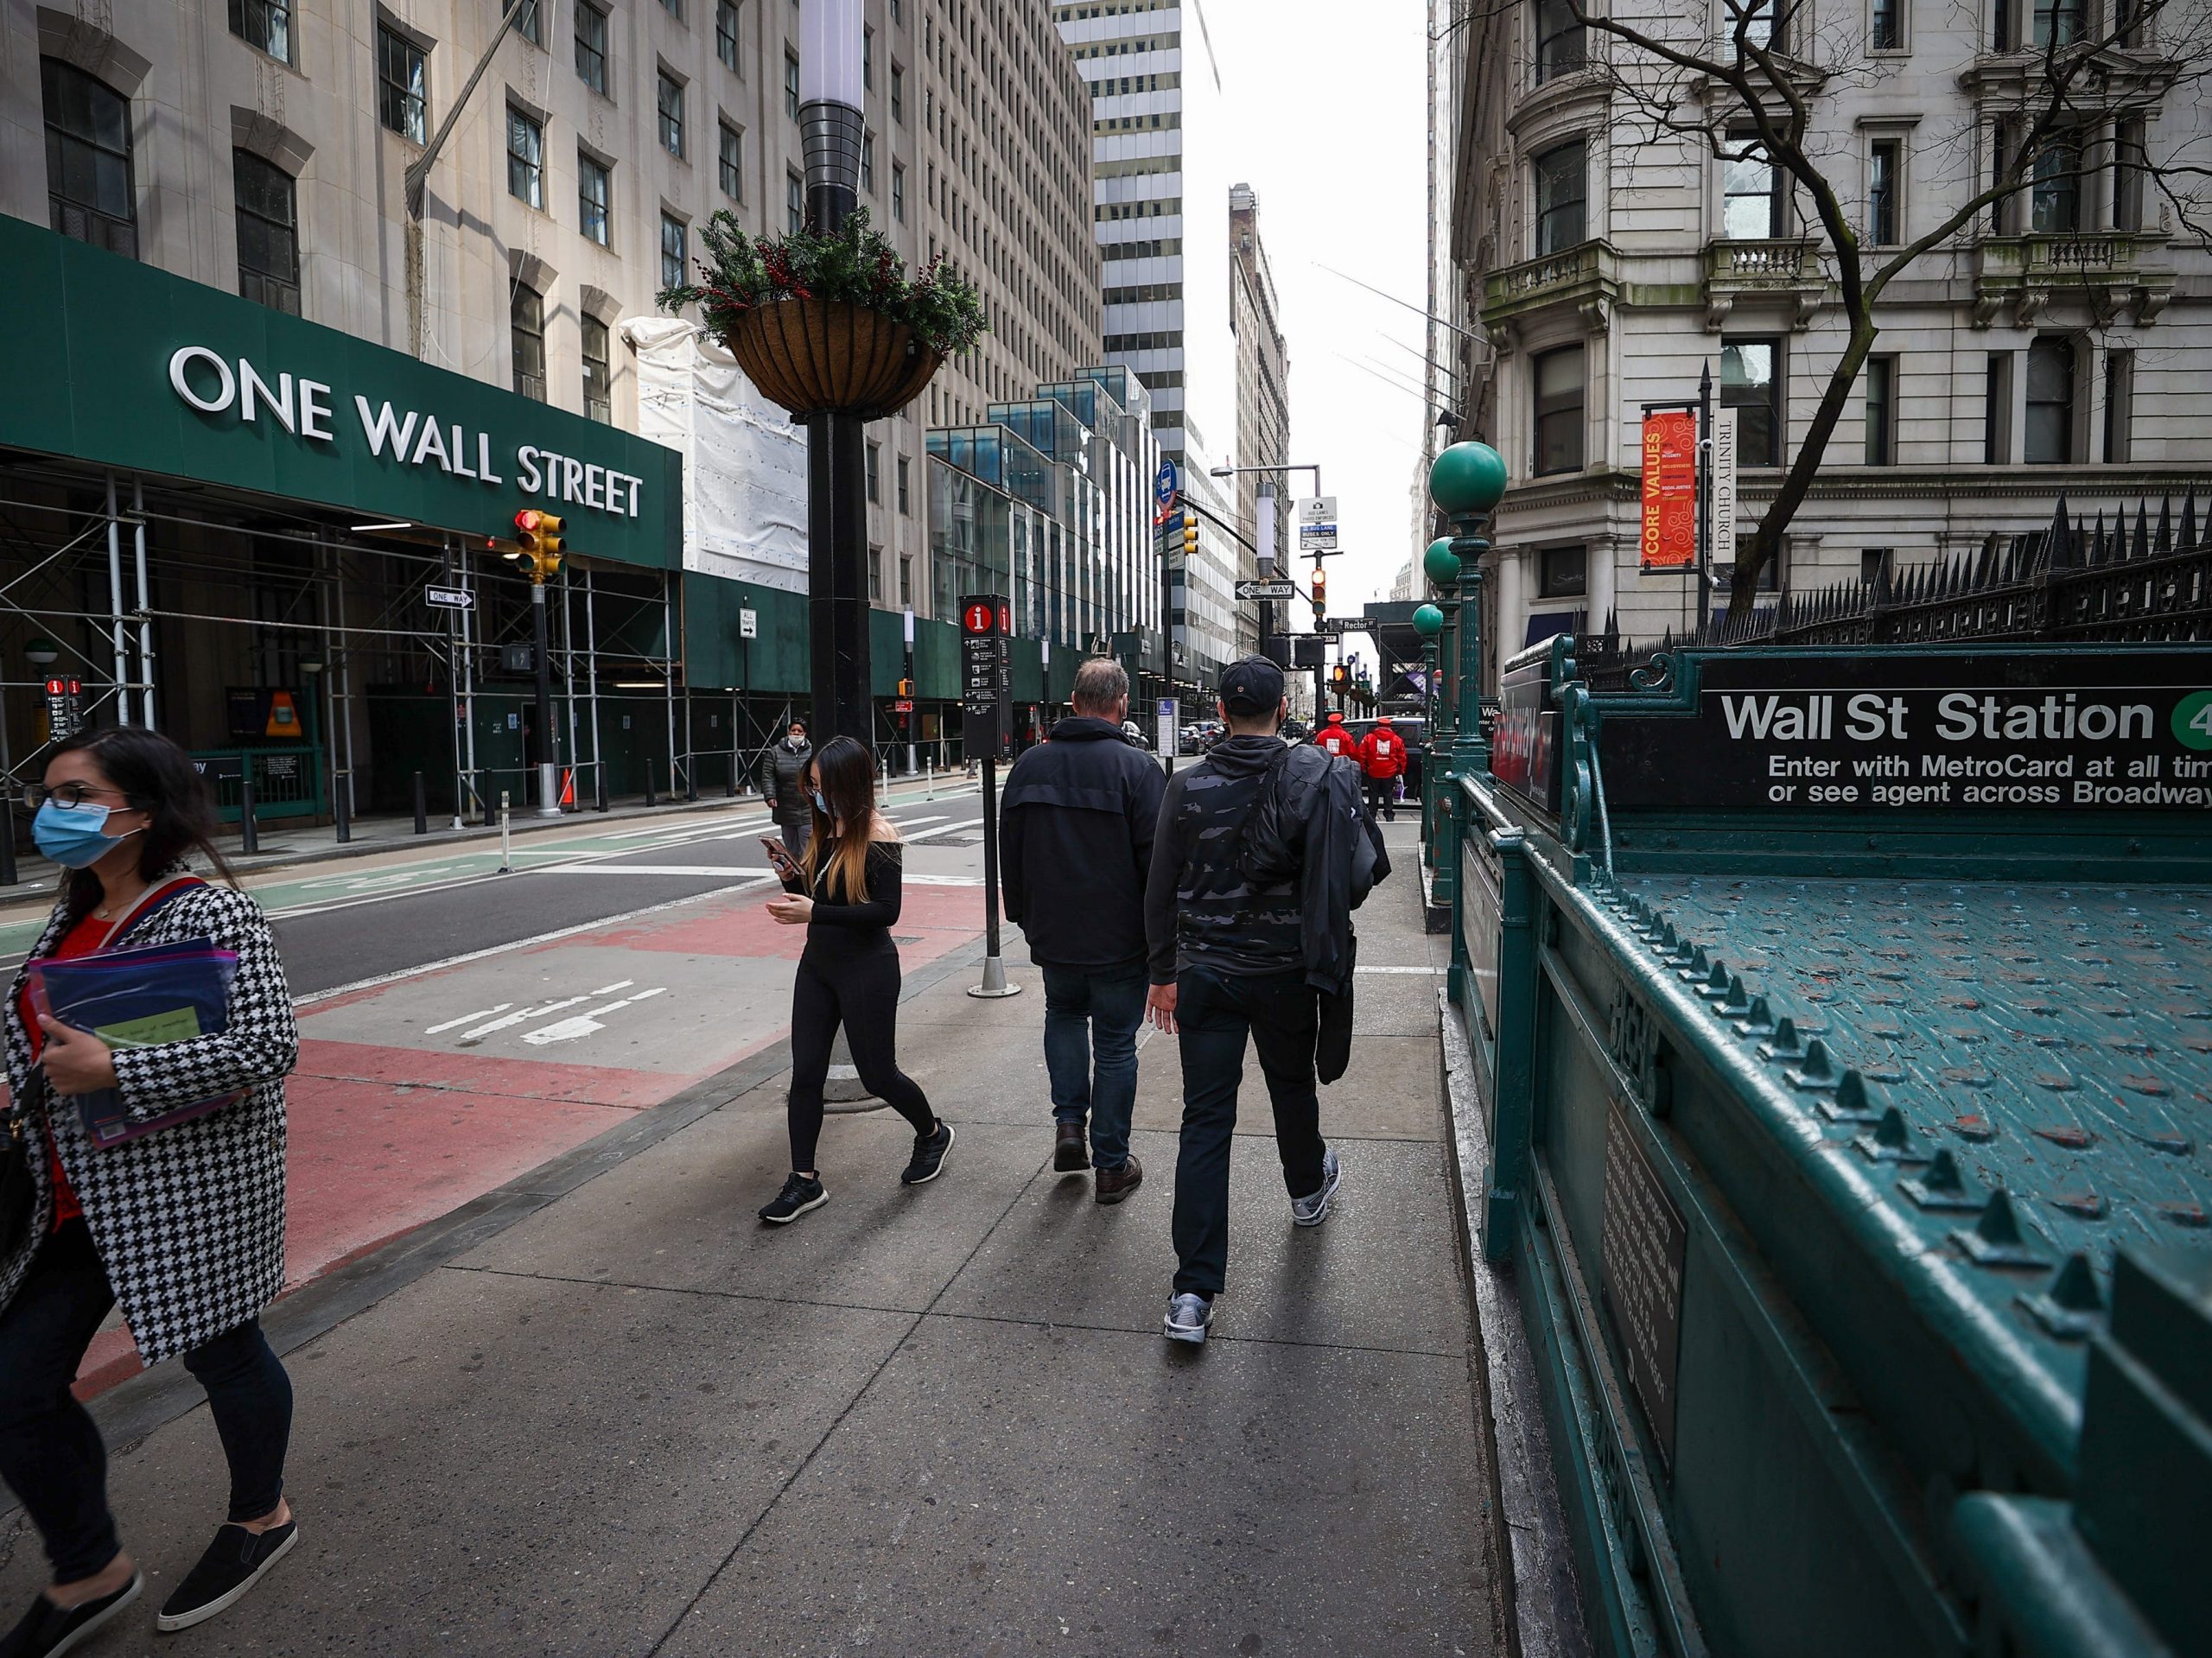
(2054, 1043)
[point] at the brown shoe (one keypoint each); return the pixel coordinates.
(1071, 1150)
(1114, 1184)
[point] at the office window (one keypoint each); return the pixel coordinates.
(875, 575)
(401, 88)
(2119, 406)
(528, 23)
(867, 58)
(791, 83)
(876, 474)
(1883, 204)
(89, 191)
(265, 25)
(669, 96)
(898, 94)
(1562, 572)
(673, 8)
(868, 163)
(725, 32)
(794, 203)
(1559, 49)
(729, 162)
(526, 327)
(1562, 189)
(269, 232)
(905, 580)
(2054, 199)
(2127, 174)
(1760, 22)
(1555, 381)
(1881, 377)
(898, 193)
(1886, 32)
(525, 158)
(1751, 194)
(672, 261)
(595, 193)
(599, 372)
(2049, 432)
(591, 45)
(2057, 23)
(905, 489)
(1750, 384)
(1996, 411)
(1875, 564)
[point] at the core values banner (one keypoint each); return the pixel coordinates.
(1922, 731)
(1669, 540)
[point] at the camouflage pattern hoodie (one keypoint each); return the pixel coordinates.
(1201, 909)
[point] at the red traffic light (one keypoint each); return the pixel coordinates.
(527, 519)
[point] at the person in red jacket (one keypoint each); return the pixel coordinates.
(1383, 758)
(1333, 737)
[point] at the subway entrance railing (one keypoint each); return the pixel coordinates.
(1842, 1023)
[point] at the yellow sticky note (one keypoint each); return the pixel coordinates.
(178, 1025)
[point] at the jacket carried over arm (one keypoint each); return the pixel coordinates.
(1314, 829)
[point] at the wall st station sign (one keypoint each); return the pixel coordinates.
(145, 371)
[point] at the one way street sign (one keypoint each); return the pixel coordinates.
(1266, 589)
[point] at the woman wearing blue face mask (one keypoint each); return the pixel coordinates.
(183, 1224)
(846, 892)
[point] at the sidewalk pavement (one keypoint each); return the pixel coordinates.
(603, 1411)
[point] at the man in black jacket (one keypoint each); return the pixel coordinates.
(1076, 825)
(782, 785)
(1236, 923)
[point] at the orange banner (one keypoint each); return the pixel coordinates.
(1669, 539)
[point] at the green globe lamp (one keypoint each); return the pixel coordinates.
(1440, 564)
(1428, 621)
(1466, 482)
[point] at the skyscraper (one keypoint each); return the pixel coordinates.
(1160, 206)
(1262, 398)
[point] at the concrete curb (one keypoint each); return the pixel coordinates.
(1542, 1609)
(132, 1409)
(1435, 917)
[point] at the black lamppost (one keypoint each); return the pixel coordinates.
(831, 127)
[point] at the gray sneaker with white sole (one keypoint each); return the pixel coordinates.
(1189, 1318)
(1313, 1210)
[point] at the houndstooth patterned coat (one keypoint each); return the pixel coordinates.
(189, 1220)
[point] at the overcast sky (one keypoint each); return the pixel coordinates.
(1331, 101)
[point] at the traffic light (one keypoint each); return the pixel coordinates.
(1190, 537)
(906, 689)
(537, 535)
(1321, 593)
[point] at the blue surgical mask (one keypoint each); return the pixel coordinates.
(75, 837)
(820, 804)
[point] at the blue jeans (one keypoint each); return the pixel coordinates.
(1101, 1007)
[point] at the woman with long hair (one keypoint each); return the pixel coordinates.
(846, 892)
(181, 1222)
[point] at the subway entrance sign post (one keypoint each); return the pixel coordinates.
(986, 706)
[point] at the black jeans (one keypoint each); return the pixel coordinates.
(1214, 1013)
(50, 1450)
(857, 985)
(1382, 796)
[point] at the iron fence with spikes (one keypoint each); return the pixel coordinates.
(2150, 580)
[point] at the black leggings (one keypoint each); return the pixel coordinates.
(858, 987)
(50, 1450)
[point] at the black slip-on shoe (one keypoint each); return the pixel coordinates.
(48, 1630)
(233, 1565)
(929, 1155)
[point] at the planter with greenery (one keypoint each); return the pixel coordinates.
(830, 323)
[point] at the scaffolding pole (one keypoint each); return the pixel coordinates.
(568, 681)
(145, 603)
(599, 785)
(115, 635)
(668, 672)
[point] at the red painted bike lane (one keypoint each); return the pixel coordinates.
(415, 1097)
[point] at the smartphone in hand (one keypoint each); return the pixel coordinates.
(779, 855)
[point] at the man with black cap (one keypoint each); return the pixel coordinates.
(1245, 916)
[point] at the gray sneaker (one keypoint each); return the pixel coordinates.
(1189, 1318)
(1313, 1210)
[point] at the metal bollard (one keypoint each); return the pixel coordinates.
(652, 799)
(421, 807)
(931, 765)
(729, 789)
(249, 831)
(691, 779)
(599, 786)
(343, 818)
(6, 840)
(506, 836)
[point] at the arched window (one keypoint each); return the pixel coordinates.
(89, 193)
